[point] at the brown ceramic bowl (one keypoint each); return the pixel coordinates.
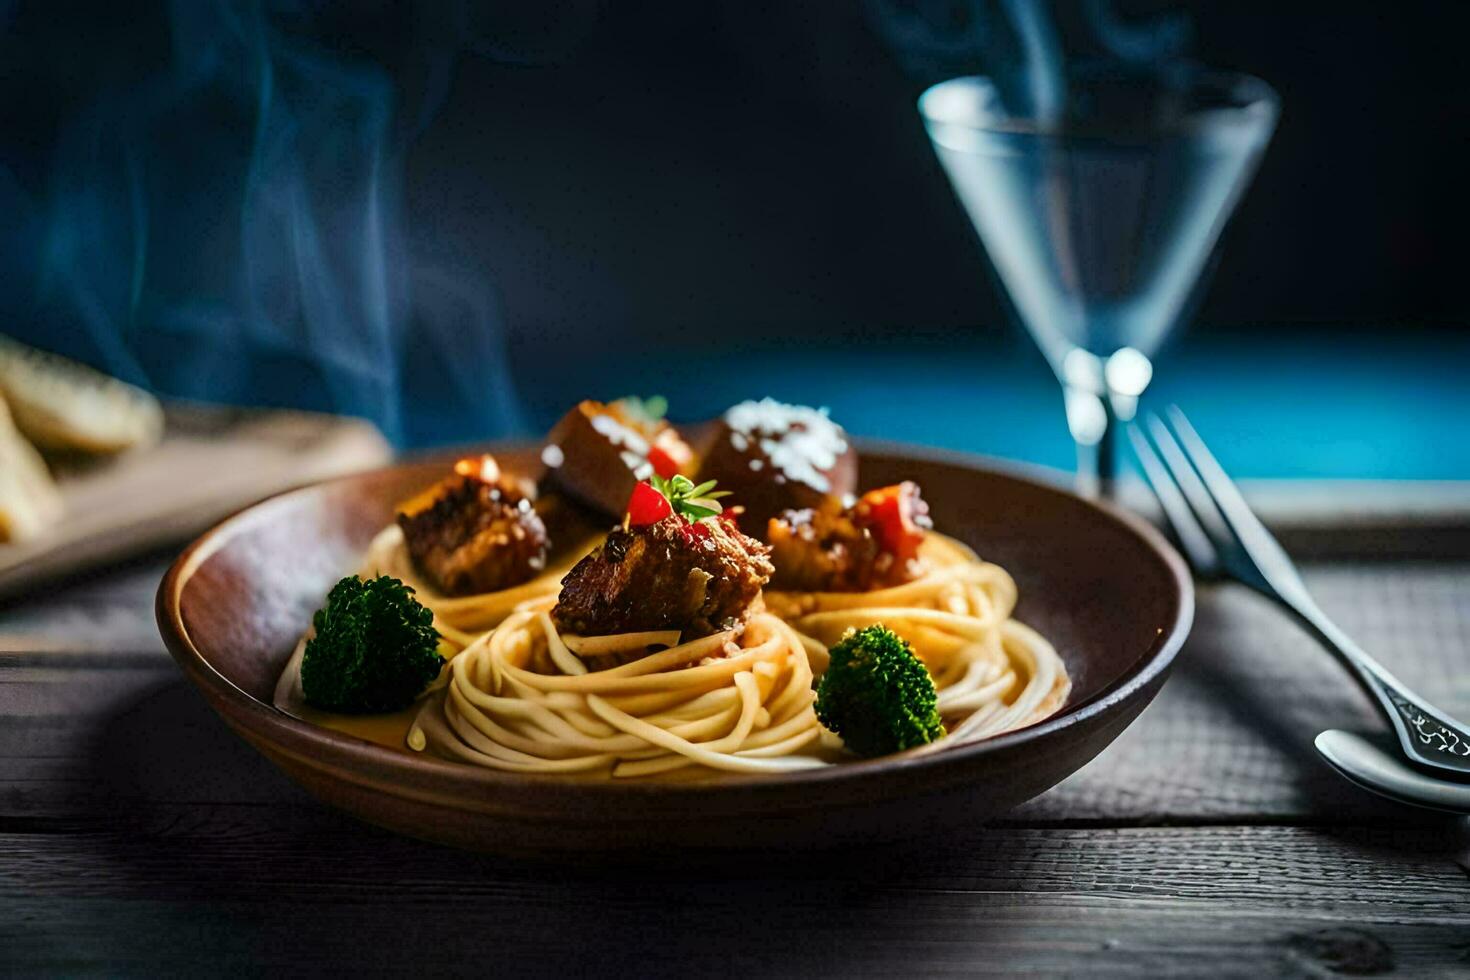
(1104, 587)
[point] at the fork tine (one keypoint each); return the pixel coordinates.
(1190, 486)
(1187, 530)
(1267, 554)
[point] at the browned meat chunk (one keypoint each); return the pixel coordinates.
(774, 457)
(597, 452)
(821, 551)
(872, 544)
(474, 531)
(698, 577)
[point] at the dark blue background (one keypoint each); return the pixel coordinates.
(459, 218)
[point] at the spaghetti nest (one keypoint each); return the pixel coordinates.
(526, 698)
(992, 673)
(523, 698)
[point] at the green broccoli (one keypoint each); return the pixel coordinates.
(375, 648)
(877, 695)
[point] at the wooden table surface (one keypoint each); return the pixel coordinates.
(138, 835)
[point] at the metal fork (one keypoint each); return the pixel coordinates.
(1221, 537)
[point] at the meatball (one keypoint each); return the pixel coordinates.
(597, 452)
(872, 544)
(474, 531)
(821, 551)
(699, 577)
(774, 457)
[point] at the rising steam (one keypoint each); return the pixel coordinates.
(231, 229)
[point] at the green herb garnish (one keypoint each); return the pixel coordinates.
(649, 409)
(692, 501)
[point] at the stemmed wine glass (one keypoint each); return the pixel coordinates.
(1099, 211)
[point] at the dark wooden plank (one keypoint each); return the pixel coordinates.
(1180, 901)
(1229, 739)
(764, 936)
(77, 741)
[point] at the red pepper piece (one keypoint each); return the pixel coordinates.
(897, 517)
(664, 464)
(670, 455)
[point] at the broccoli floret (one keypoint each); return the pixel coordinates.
(877, 695)
(375, 648)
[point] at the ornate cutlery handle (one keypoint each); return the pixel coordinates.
(1426, 734)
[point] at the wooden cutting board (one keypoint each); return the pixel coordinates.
(211, 461)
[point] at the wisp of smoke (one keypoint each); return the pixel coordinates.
(230, 229)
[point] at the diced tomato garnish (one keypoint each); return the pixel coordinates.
(670, 454)
(897, 517)
(647, 506)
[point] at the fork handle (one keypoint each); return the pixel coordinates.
(1413, 720)
(1373, 676)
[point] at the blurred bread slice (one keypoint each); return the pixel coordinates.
(29, 500)
(63, 406)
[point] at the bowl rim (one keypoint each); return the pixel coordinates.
(408, 776)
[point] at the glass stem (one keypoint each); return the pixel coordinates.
(1107, 453)
(1097, 467)
(1094, 423)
